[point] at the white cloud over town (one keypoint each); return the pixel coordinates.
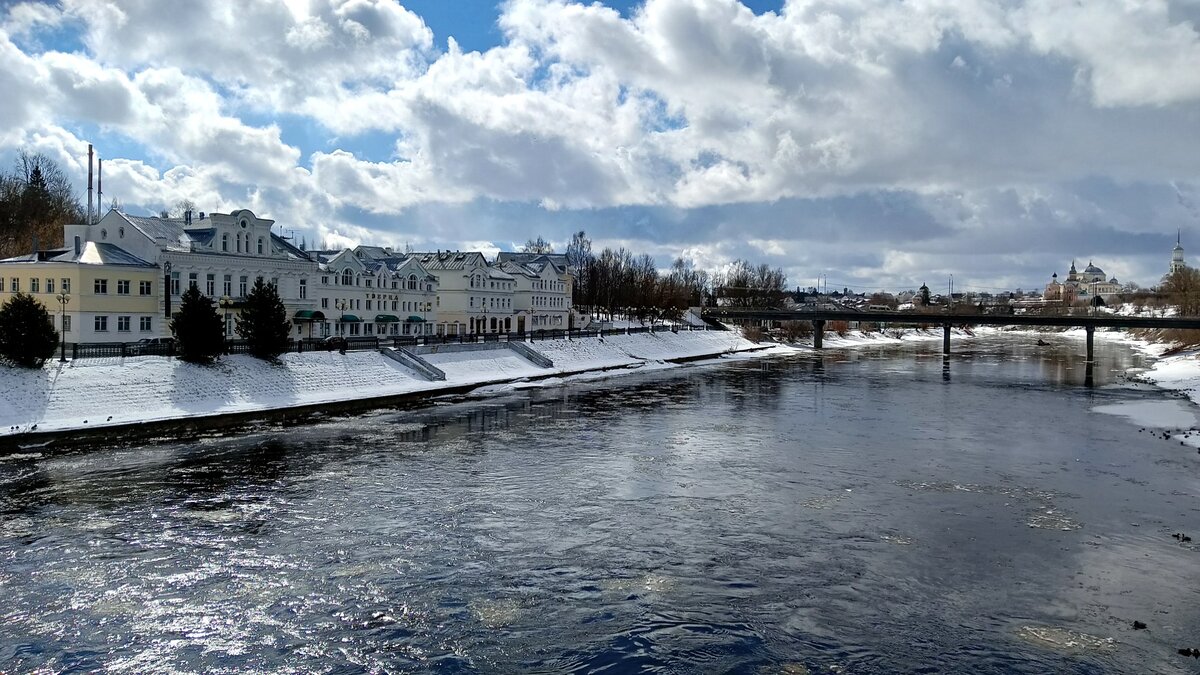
(876, 141)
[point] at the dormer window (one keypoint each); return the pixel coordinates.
(347, 278)
(103, 234)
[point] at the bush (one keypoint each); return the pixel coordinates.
(842, 328)
(27, 335)
(198, 329)
(794, 331)
(263, 323)
(753, 333)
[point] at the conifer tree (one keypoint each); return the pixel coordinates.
(198, 329)
(263, 323)
(27, 335)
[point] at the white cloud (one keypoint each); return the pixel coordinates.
(992, 120)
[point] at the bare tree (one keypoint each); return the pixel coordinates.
(538, 245)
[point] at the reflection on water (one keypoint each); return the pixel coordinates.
(868, 511)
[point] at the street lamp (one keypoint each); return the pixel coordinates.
(63, 299)
(226, 302)
(341, 307)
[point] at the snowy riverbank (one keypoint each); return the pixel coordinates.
(89, 394)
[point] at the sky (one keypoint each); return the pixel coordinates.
(878, 144)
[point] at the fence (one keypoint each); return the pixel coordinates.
(86, 350)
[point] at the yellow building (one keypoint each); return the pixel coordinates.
(112, 295)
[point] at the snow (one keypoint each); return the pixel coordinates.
(91, 393)
(1157, 414)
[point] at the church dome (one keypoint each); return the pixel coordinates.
(1092, 270)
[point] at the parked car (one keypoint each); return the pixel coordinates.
(158, 345)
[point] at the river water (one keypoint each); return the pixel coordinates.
(866, 511)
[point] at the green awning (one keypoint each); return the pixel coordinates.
(309, 315)
(413, 318)
(387, 318)
(349, 318)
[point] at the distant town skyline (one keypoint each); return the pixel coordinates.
(880, 144)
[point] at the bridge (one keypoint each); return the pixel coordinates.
(947, 320)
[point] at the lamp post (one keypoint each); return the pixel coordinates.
(226, 302)
(63, 299)
(341, 308)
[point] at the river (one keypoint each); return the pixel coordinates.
(859, 511)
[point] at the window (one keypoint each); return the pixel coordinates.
(239, 242)
(122, 287)
(368, 304)
(174, 283)
(34, 285)
(100, 286)
(324, 303)
(210, 285)
(242, 286)
(325, 280)
(227, 285)
(369, 282)
(347, 278)
(66, 323)
(193, 280)
(102, 324)
(412, 282)
(15, 285)
(225, 241)
(260, 246)
(123, 324)
(49, 285)
(66, 285)
(144, 324)
(304, 289)
(275, 282)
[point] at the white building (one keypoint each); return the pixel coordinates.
(372, 291)
(542, 298)
(473, 297)
(222, 255)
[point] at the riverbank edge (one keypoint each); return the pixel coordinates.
(201, 425)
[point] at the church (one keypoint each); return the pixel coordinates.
(1083, 286)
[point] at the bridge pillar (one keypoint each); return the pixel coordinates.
(818, 333)
(945, 338)
(1091, 332)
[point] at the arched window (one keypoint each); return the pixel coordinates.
(412, 282)
(225, 241)
(347, 278)
(260, 246)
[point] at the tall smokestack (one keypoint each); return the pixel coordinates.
(89, 211)
(99, 187)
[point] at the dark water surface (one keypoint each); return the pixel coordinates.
(873, 511)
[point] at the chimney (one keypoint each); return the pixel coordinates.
(89, 210)
(201, 215)
(187, 217)
(35, 247)
(77, 246)
(99, 186)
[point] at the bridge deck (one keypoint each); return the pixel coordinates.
(939, 318)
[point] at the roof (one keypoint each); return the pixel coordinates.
(450, 260)
(91, 253)
(557, 259)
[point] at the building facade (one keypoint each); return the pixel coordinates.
(111, 295)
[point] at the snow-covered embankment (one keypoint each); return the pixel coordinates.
(109, 392)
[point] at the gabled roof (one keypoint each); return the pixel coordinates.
(450, 260)
(559, 260)
(90, 253)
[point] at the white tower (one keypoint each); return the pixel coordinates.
(1177, 254)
